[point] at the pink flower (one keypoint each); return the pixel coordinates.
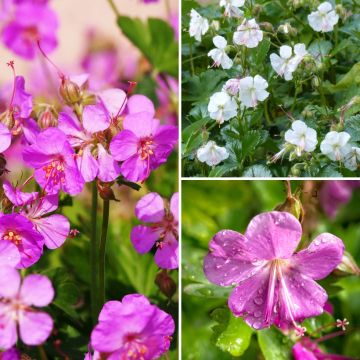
(167, 92)
(53, 228)
(11, 354)
(132, 329)
(17, 302)
(335, 193)
(18, 230)
(53, 159)
(143, 145)
(272, 284)
(163, 229)
(29, 24)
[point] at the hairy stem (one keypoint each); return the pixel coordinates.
(94, 264)
(102, 250)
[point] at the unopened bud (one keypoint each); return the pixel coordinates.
(287, 29)
(165, 283)
(105, 191)
(348, 266)
(215, 24)
(343, 12)
(307, 113)
(7, 118)
(295, 170)
(315, 82)
(70, 92)
(3, 169)
(293, 206)
(257, 9)
(47, 119)
(267, 26)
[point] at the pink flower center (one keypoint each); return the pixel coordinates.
(13, 237)
(54, 172)
(31, 33)
(134, 349)
(146, 148)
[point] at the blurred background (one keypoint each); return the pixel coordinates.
(210, 206)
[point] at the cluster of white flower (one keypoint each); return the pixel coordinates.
(248, 91)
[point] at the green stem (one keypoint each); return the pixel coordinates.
(102, 250)
(93, 255)
(191, 59)
(113, 6)
(42, 353)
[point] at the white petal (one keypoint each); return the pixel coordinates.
(285, 52)
(220, 42)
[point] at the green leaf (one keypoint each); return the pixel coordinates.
(329, 171)
(155, 39)
(352, 126)
(232, 334)
(322, 322)
(351, 78)
(320, 48)
(219, 171)
(274, 345)
(261, 52)
(257, 171)
(207, 291)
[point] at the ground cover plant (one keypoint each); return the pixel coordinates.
(276, 278)
(270, 88)
(88, 199)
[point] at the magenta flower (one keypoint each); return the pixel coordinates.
(11, 354)
(163, 229)
(53, 159)
(167, 94)
(54, 228)
(5, 138)
(31, 23)
(9, 254)
(272, 284)
(335, 193)
(143, 145)
(17, 302)
(132, 329)
(19, 231)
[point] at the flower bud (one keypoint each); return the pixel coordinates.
(267, 26)
(347, 266)
(47, 119)
(295, 170)
(287, 29)
(7, 118)
(105, 191)
(307, 113)
(292, 205)
(3, 169)
(165, 283)
(257, 9)
(342, 12)
(70, 92)
(315, 82)
(215, 24)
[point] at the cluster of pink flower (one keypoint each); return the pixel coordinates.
(97, 135)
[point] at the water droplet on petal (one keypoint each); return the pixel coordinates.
(256, 325)
(257, 313)
(258, 301)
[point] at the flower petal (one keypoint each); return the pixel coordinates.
(114, 101)
(273, 235)
(8, 333)
(174, 206)
(143, 238)
(141, 124)
(135, 169)
(9, 282)
(150, 208)
(87, 165)
(96, 118)
(37, 290)
(109, 169)
(228, 261)
(124, 145)
(5, 138)
(322, 256)
(35, 327)
(9, 254)
(167, 255)
(138, 103)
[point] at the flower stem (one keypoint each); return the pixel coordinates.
(42, 353)
(102, 250)
(94, 264)
(115, 9)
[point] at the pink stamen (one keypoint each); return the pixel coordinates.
(60, 73)
(11, 64)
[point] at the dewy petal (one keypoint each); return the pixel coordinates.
(144, 237)
(300, 297)
(150, 208)
(167, 255)
(9, 254)
(109, 168)
(250, 300)
(54, 228)
(322, 256)
(301, 353)
(8, 333)
(96, 118)
(37, 290)
(124, 145)
(228, 261)
(273, 235)
(5, 138)
(139, 103)
(35, 327)
(9, 282)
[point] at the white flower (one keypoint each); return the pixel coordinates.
(324, 18)
(222, 107)
(232, 7)
(198, 25)
(212, 154)
(335, 145)
(352, 158)
(219, 54)
(302, 136)
(286, 63)
(248, 34)
(232, 87)
(252, 90)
